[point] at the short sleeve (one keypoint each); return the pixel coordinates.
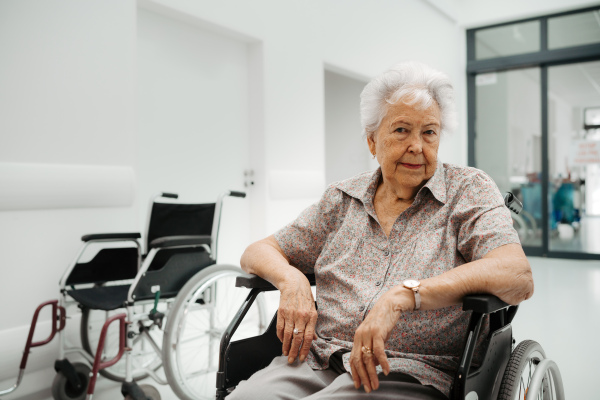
(484, 221)
(303, 239)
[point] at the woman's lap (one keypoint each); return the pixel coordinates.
(280, 381)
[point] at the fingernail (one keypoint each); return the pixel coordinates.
(290, 360)
(302, 358)
(367, 389)
(285, 353)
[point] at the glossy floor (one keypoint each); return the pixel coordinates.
(563, 316)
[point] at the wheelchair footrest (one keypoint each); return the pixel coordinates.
(101, 297)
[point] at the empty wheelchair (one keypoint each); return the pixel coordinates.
(172, 303)
(508, 372)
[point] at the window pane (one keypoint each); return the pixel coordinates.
(574, 30)
(507, 40)
(574, 158)
(508, 142)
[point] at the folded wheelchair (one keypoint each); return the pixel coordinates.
(166, 306)
(508, 372)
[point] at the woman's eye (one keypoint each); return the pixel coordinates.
(400, 130)
(430, 132)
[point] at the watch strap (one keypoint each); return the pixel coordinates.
(417, 298)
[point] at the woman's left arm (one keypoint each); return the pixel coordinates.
(503, 272)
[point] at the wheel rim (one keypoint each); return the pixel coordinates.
(527, 375)
(205, 316)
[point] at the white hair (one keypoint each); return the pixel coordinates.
(412, 83)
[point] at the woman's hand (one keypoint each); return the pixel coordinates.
(368, 350)
(296, 311)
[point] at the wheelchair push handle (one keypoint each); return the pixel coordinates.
(234, 193)
(169, 195)
(513, 204)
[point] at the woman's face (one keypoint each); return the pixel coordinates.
(406, 145)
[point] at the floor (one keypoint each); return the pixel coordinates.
(563, 316)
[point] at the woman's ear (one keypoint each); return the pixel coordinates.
(371, 143)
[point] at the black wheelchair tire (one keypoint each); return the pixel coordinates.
(150, 391)
(62, 389)
(526, 354)
(85, 343)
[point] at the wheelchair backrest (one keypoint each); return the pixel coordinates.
(110, 264)
(171, 219)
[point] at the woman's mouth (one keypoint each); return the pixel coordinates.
(411, 166)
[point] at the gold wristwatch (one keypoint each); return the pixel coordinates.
(414, 285)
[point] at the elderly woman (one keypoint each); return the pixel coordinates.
(394, 251)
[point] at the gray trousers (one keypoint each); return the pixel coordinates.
(283, 381)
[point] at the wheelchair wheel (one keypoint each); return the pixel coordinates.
(201, 313)
(519, 371)
(143, 355)
(62, 389)
(149, 391)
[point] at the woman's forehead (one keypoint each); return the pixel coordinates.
(402, 111)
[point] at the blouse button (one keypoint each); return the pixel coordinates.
(386, 253)
(361, 308)
(377, 283)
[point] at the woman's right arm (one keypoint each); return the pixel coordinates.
(266, 259)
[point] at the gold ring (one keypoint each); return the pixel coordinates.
(366, 350)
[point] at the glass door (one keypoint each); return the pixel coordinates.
(574, 157)
(508, 142)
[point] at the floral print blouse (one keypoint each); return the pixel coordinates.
(457, 216)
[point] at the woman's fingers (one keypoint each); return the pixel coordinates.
(287, 336)
(379, 353)
(359, 370)
(369, 362)
(280, 325)
(309, 335)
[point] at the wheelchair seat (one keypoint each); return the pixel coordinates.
(105, 298)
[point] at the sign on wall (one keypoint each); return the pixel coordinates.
(585, 152)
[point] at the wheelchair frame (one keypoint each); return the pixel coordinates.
(131, 325)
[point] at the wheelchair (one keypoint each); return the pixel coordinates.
(508, 372)
(172, 303)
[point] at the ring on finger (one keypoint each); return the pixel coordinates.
(366, 350)
(296, 331)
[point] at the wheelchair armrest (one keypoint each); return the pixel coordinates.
(483, 303)
(173, 241)
(256, 282)
(111, 236)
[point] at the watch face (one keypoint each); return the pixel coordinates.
(411, 283)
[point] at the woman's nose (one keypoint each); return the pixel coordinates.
(415, 144)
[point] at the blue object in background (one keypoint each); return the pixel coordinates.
(532, 200)
(562, 204)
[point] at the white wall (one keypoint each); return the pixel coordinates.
(193, 120)
(67, 78)
(297, 40)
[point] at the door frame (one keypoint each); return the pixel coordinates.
(544, 58)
